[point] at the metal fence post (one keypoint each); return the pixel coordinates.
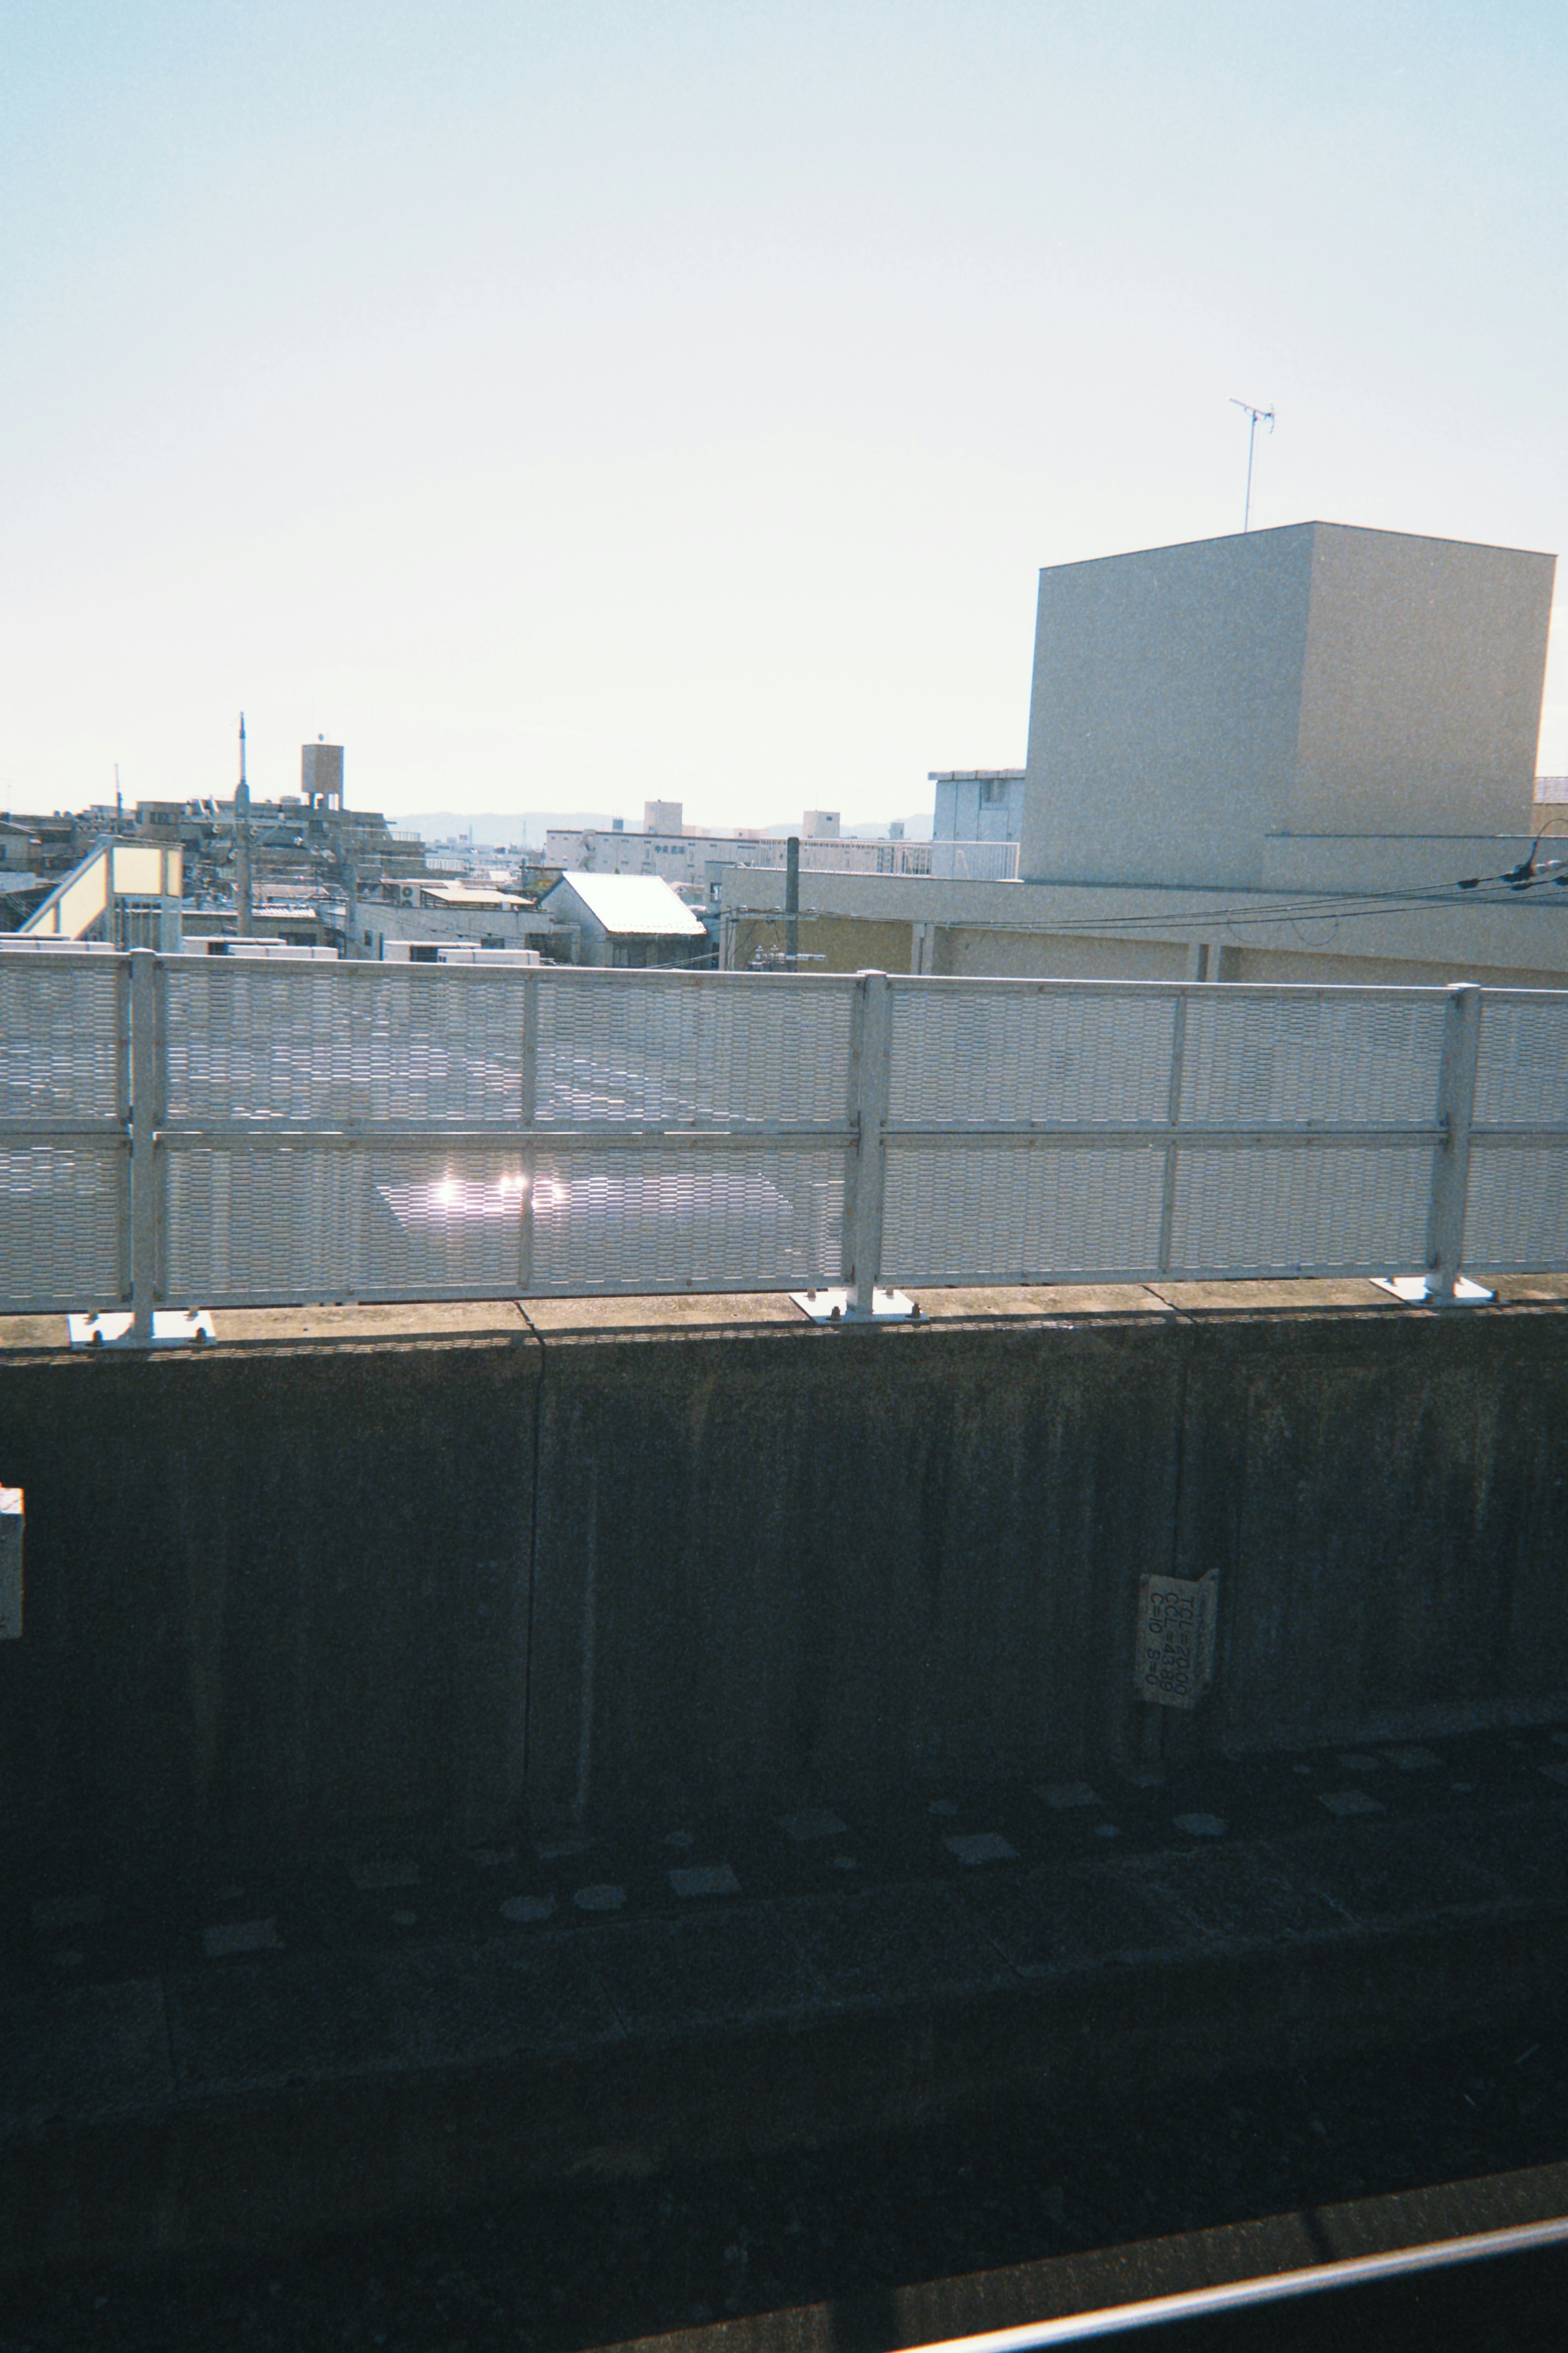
(144, 1108)
(527, 1113)
(1172, 1116)
(870, 1072)
(1451, 1160)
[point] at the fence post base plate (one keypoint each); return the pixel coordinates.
(169, 1326)
(833, 1307)
(1413, 1289)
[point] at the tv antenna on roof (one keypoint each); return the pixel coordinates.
(1257, 417)
(243, 910)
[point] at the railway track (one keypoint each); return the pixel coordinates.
(1342, 2275)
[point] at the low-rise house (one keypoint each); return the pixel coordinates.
(626, 920)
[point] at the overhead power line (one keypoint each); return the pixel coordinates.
(1320, 906)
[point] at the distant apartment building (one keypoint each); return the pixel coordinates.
(435, 909)
(309, 857)
(665, 846)
(694, 862)
(308, 846)
(978, 804)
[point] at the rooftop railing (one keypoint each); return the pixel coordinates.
(948, 861)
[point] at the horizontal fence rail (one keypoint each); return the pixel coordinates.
(224, 1132)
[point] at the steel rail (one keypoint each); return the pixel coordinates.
(111, 1129)
(240, 1136)
(1160, 1135)
(493, 1293)
(502, 1137)
(1275, 2287)
(1148, 1274)
(783, 1285)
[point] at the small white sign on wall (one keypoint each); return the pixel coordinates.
(10, 1564)
(1176, 1621)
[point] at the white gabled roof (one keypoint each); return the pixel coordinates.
(642, 906)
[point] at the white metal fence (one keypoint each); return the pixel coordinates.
(221, 1131)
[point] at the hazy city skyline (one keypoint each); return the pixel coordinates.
(567, 405)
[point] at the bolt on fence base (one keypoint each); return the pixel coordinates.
(169, 1326)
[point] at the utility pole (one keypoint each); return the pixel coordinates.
(1256, 416)
(345, 867)
(243, 912)
(792, 902)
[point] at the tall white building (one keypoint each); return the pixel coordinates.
(1319, 705)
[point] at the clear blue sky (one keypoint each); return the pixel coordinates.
(566, 404)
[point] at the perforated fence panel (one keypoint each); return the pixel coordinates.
(63, 1164)
(1277, 1212)
(1231, 1106)
(969, 1056)
(733, 1221)
(1020, 1214)
(1517, 1212)
(682, 1049)
(62, 1032)
(1311, 1059)
(1522, 1072)
(342, 1045)
(541, 1060)
(260, 1225)
(62, 1226)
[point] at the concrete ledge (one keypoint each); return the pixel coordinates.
(691, 1310)
(1520, 1290)
(1294, 1295)
(434, 1320)
(1031, 1302)
(443, 1322)
(430, 1320)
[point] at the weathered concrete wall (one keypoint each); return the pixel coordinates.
(456, 1580)
(265, 1589)
(1388, 1505)
(796, 1561)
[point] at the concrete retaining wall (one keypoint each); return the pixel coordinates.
(289, 1584)
(267, 1590)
